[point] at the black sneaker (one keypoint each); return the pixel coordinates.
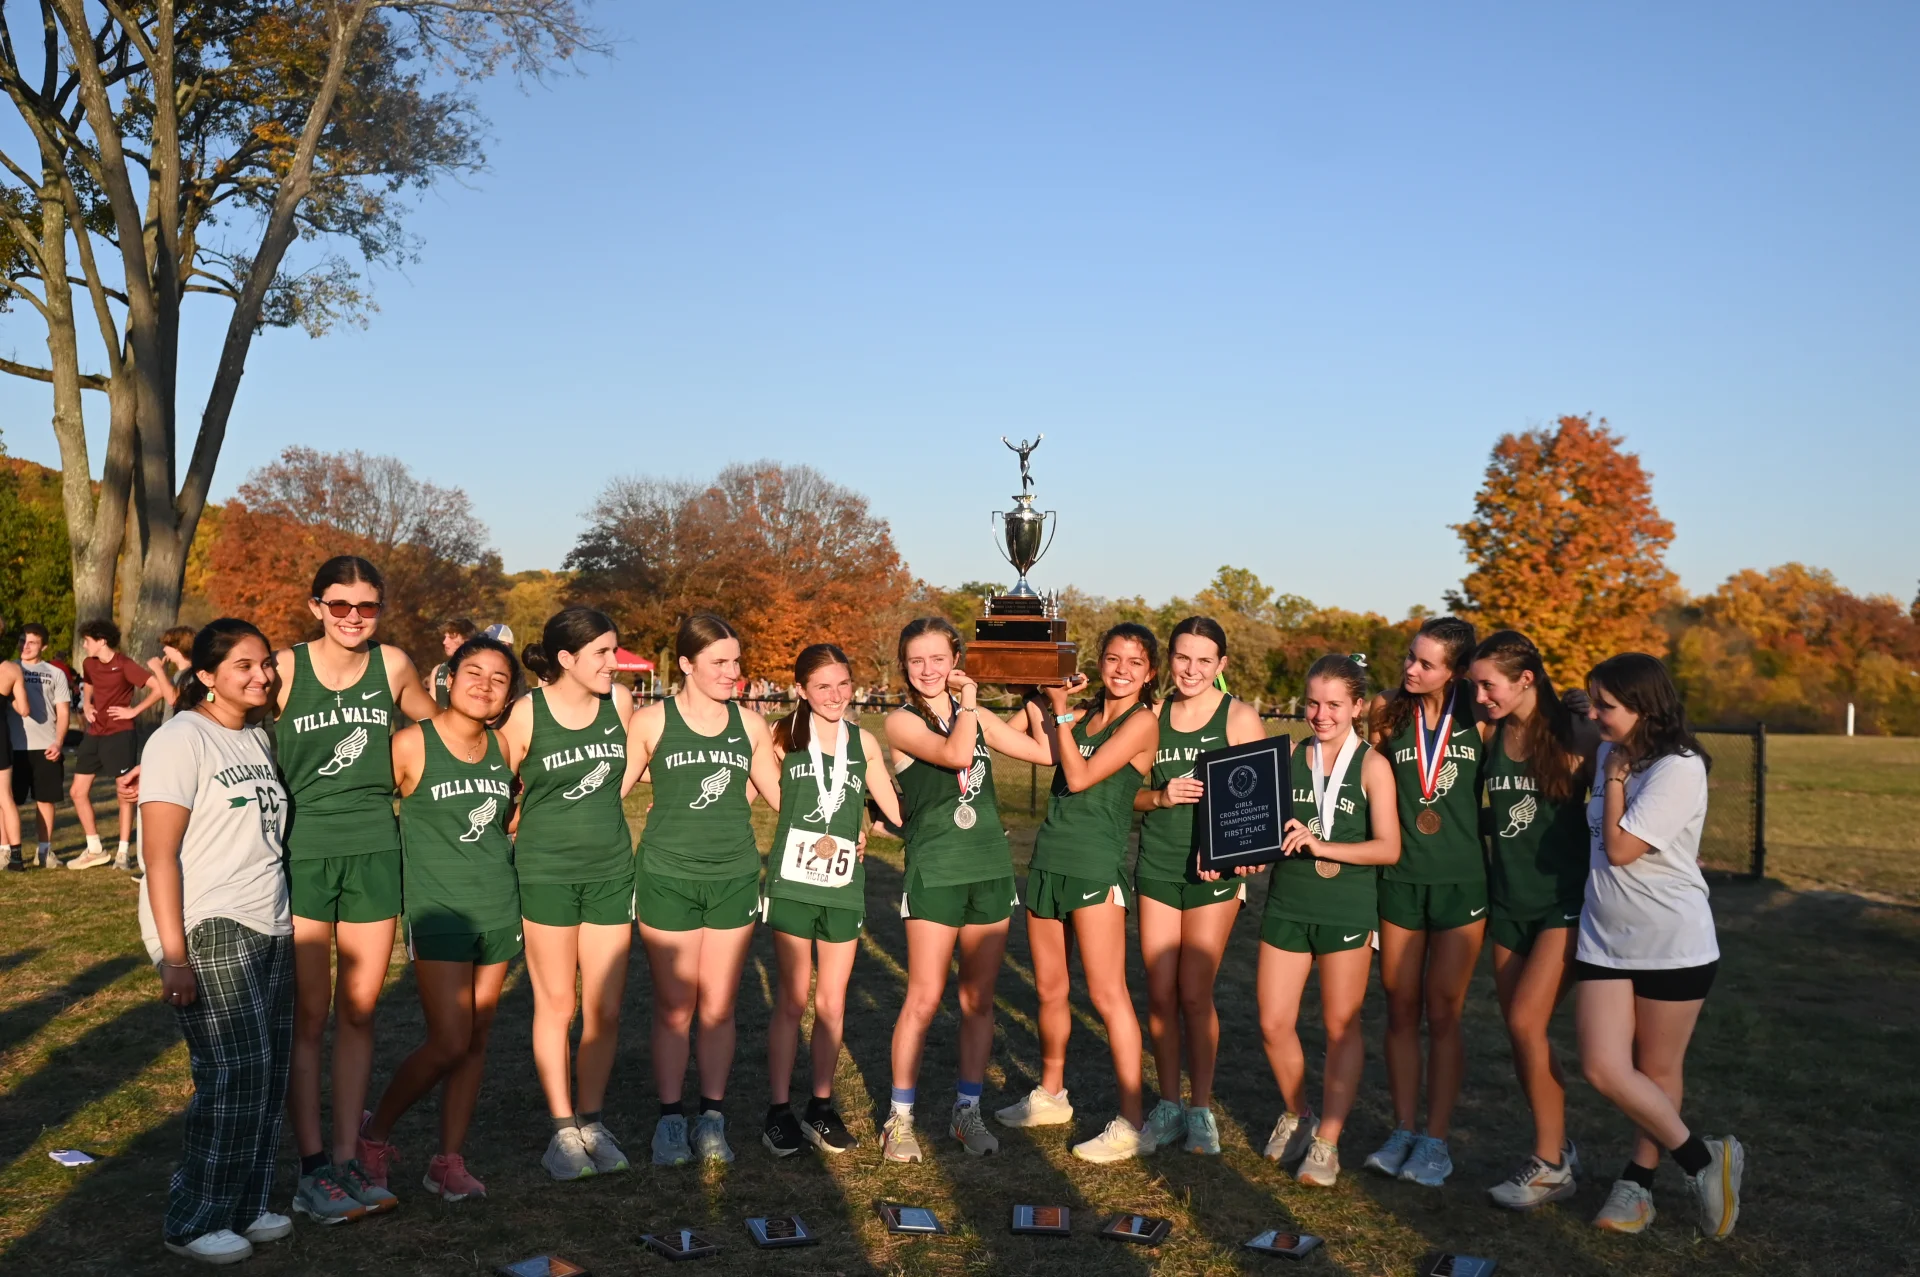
(16, 862)
(782, 1135)
(825, 1130)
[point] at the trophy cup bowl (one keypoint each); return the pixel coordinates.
(1022, 528)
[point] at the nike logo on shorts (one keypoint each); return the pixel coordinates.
(1350, 939)
(1568, 917)
(1475, 913)
(367, 696)
(1094, 895)
(1226, 890)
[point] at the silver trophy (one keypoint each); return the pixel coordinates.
(1021, 637)
(1022, 528)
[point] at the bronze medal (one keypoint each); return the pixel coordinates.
(1428, 821)
(1327, 868)
(824, 849)
(964, 816)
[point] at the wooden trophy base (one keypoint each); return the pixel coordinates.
(1021, 663)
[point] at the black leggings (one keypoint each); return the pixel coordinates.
(1675, 984)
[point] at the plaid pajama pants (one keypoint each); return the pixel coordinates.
(239, 1034)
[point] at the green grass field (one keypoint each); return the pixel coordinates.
(1805, 1050)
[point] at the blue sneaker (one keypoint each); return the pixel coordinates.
(1428, 1164)
(1391, 1156)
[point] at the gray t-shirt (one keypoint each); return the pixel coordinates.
(230, 857)
(1651, 915)
(47, 691)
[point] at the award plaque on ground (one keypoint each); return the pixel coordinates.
(1289, 1245)
(1442, 1264)
(1147, 1230)
(1246, 800)
(781, 1230)
(1043, 1221)
(901, 1218)
(542, 1266)
(1022, 638)
(682, 1243)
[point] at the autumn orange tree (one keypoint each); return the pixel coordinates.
(1565, 544)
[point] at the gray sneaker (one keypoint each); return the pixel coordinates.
(710, 1138)
(1166, 1124)
(47, 860)
(1534, 1184)
(600, 1145)
(1203, 1132)
(1570, 1158)
(1292, 1136)
(897, 1140)
(1321, 1166)
(1429, 1164)
(670, 1146)
(1628, 1209)
(1391, 1156)
(1716, 1190)
(567, 1156)
(354, 1178)
(322, 1198)
(971, 1130)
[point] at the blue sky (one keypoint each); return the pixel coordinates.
(1272, 279)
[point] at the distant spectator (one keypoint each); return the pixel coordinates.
(109, 677)
(175, 645)
(452, 635)
(13, 697)
(38, 736)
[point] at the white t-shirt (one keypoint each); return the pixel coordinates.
(230, 857)
(47, 691)
(1653, 914)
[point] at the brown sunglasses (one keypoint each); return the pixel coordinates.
(340, 607)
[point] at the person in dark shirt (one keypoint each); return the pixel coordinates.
(109, 678)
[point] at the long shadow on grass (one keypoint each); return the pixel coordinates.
(104, 1059)
(19, 1023)
(19, 958)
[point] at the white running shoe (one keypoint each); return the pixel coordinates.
(970, 1128)
(602, 1148)
(1120, 1141)
(566, 1156)
(1038, 1109)
(46, 859)
(93, 858)
(1716, 1189)
(670, 1146)
(1167, 1124)
(1292, 1137)
(269, 1227)
(1629, 1209)
(222, 1247)
(1391, 1156)
(1321, 1166)
(897, 1140)
(710, 1138)
(1534, 1184)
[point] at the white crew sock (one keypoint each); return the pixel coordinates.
(93, 842)
(124, 848)
(903, 1108)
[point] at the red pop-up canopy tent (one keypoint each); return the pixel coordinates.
(627, 663)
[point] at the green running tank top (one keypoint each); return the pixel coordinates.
(571, 826)
(700, 825)
(453, 831)
(1538, 861)
(336, 757)
(1327, 892)
(800, 807)
(1452, 853)
(1166, 833)
(442, 685)
(1085, 834)
(946, 848)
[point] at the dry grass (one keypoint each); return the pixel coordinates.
(1806, 1050)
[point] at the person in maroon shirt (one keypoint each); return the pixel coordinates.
(106, 699)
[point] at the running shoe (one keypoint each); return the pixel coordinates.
(1570, 1158)
(1629, 1209)
(825, 1131)
(124, 863)
(897, 1140)
(1716, 1189)
(1203, 1133)
(1429, 1164)
(1391, 1156)
(1120, 1141)
(970, 1128)
(1291, 1138)
(1534, 1184)
(670, 1146)
(47, 860)
(375, 1198)
(1166, 1124)
(1038, 1109)
(322, 1198)
(566, 1156)
(269, 1227)
(710, 1138)
(783, 1134)
(1321, 1166)
(222, 1247)
(602, 1148)
(447, 1175)
(93, 858)
(377, 1156)
(16, 861)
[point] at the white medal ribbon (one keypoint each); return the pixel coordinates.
(831, 792)
(1326, 786)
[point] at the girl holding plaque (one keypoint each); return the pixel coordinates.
(1538, 765)
(959, 890)
(1321, 904)
(1433, 902)
(1102, 752)
(698, 885)
(1184, 919)
(816, 888)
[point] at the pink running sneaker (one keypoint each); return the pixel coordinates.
(376, 1157)
(447, 1176)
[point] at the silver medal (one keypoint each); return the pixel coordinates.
(964, 816)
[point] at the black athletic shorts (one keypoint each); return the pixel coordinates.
(1675, 984)
(114, 754)
(37, 777)
(6, 747)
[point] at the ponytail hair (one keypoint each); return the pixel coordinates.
(913, 630)
(1351, 670)
(1456, 638)
(1547, 737)
(211, 647)
(1641, 683)
(791, 734)
(1128, 631)
(348, 569)
(569, 630)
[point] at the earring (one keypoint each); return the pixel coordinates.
(210, 697)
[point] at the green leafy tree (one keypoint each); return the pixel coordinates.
(36, 582)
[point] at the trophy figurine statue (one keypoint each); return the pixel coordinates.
(1022, 638)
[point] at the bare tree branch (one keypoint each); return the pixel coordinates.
(88, 380)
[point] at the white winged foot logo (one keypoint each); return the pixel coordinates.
(478, 820)
(351, 746)
(591, 781)
(711, 788)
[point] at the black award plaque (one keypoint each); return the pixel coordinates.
(901, 1218)
(1444, 1264)
(1043, 1221)
(781, 1230)
(682, 1243)
(1246, 801)
(1290, 1245)
(1147, 1230)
